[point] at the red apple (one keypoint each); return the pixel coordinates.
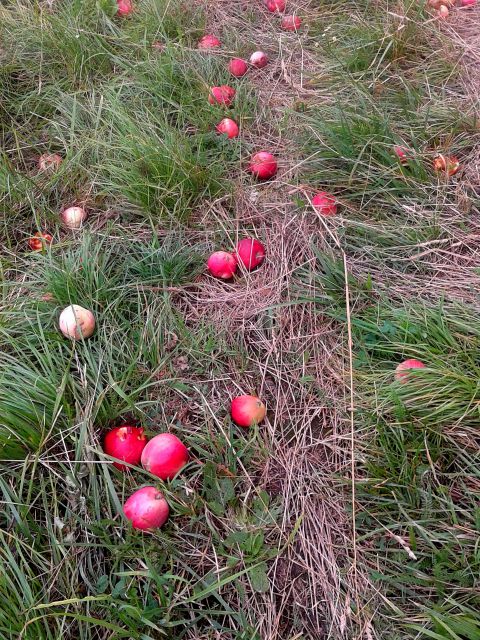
(275, 5)
(325, 203)
(228, 126)
(449, 164)
(250, 252)
(468, 3)
(76, 322)
(49, 162)
(209, 41)
(39, 241)
(247, 411)
(402, 153)
(237, 67)
(259, 59)
(401, 372)
(146, 509)
(222, 265)
(125, 443)
(73, 217)
(263, 165)
(222, 95)
(164, 456)
(291, 23)
(124, 7)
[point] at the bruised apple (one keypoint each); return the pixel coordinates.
(401, 372)
(39, 241)
(222, 95)
(209, 41)
(73, 217)
(125, 443)
(49, 162)
(250, 252)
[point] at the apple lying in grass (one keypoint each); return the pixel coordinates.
(291, 23)
(146, 509)
(229, 127)
(76, 322)
(401, 372)
(49, 162)
(276, 5)
(237, 67)
(247, 411)
(222, 264)
(402, 154)
(468, 3)
(222, 95)
(259, 59)
(73, 217)
(449, 164)
(250, 252)
(263, 165)
(443, 12)
(124, 7)
(125, 443)
(209, 41)
(325, 203)
(39, 241)
(164, 456)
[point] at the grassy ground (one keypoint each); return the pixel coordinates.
(353, 512)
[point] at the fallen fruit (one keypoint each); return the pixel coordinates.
(222, 95)
(73, 217)
(259, 59)
(325, 203)
(250, 252)
(209, 41)
(228, 126)
(237, 67)
(125, 443)
(402, 154)
(247, 411)
(291, 23)
(263, 165)
(158, 45)
(443, 12)
(468, 3)
(49, 161)
(146, 509)
(449, 164)
(39, 241)
(275, 5)
(124, 7)
(76, 322)
(164, 456)
(222, 264)
(401, 372)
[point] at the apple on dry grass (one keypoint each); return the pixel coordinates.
(146, 509)
(250, 252)
(223, 95)
(263, 165)
(73, 217)
(237, 67)
(324, 203)
(40, 241)
(247, 410)
(209, 41)
(291, 23)
(449, 164)
(259, 59)
(228, 127)
(76, 322)
(164, 456)
(222, 264)
(276, 5)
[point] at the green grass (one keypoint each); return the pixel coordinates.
(238, 557)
